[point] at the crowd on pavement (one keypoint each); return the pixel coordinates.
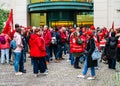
(44, 43)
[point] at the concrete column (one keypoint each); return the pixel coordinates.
(105, 12)
(20, 12)
(100, 13)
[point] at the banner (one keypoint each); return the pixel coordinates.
(9, 23)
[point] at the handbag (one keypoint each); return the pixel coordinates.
(79, 41)
(96, 54)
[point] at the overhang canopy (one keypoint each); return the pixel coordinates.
(50, 6)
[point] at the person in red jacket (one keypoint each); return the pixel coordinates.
(76, 49)
(37, 52)
(47, 37)
(4, 47)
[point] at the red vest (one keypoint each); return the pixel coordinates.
(75, 48)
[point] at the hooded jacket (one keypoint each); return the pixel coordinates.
(37, 46)
(7, 44)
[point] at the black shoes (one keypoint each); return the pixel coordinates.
(24, 71)
(77, 67)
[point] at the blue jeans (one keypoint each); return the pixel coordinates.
(86, 69)
(71, 58)
(39, 64)
(64, 48)
(48, 53)
(4, 52)
(17, 57)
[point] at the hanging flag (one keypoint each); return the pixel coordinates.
(113, 25)
(9, 23)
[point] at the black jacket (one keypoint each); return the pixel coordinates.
(90, 48)
(111, 52)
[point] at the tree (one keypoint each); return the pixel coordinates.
(3, 17)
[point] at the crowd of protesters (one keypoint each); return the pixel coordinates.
(44, 43)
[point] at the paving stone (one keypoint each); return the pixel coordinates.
(60, 74)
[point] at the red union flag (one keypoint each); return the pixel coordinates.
(9, 23)
(113, 25)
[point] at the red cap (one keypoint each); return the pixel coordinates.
(90, 33)
(92, 27)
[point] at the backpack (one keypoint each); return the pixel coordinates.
(113, 44)
(2, 39)
(54, 39)
(13, 44)
(79, 41)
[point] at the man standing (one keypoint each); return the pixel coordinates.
(47, 38)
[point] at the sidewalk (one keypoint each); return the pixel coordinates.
(60, 74)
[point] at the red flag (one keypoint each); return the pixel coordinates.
(113, 25)
(9, 23)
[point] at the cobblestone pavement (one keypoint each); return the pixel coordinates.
(60, 74)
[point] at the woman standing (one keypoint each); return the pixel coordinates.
(76, 49)
(17, 51)
(38, 52)
(89, 63)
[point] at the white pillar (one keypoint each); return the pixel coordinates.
(105, 12)
(20, 12)
(100, 13)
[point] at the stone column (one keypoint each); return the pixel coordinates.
(20, 12)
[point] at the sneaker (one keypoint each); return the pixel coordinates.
(36, 75)
(18, 73)
(91, 78)
(81, 76)
(47, 70)
(45, 73)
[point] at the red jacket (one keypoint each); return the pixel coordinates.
(75, 48)
(37, 46)
(47, 37)
(63, 37)
(7, 44)
(84, 38)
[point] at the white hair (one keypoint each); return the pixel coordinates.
(33, 28)
(45, 26)
(63, 28)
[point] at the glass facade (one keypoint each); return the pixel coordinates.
(62, 17)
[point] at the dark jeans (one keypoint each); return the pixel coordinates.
(21, 67)
(59, 51)
(76, 63)
(39, 64)
(65, 48)
(48, 53)
(53, 49)
(10, 54)
(111, 63)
